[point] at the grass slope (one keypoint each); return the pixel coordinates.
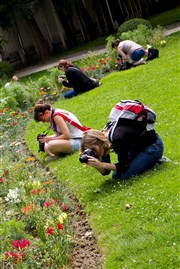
(146, 235)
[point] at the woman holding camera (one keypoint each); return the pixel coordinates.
(137, 149)
(76, 79)
(67, 128)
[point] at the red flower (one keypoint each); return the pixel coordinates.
(10, 254)
(46, 204)
(57, 203)
(59, 226)
(20, 244)
(49, 231)
(64, 207)
(1, 179)
(35, 191)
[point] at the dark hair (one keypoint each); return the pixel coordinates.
(115, 43)
(39, 110)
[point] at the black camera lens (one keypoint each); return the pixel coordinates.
(41, 144)
(84, 156)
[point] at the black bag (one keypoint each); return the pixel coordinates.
(152, 54)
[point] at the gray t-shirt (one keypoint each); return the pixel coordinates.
(128, 46)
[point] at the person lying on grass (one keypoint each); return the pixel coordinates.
(67, 137)
(137, 149)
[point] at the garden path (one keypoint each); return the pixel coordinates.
(169, 29)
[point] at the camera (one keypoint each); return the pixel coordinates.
(41, 145)
(84, 156)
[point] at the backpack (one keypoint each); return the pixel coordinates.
(132, 110)
(152, 54)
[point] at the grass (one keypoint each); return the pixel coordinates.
(165, 18)
(146, 235)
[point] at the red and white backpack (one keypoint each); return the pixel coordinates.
(132, 110)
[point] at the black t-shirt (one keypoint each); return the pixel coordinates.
(78, 80)
(128, 135)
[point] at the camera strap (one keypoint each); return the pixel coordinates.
(75, 124)
(45, 132)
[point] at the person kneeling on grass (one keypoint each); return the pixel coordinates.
(67, 137)
(137, 149)
(76, 79)
(130, 51)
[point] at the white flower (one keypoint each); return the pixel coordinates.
(13, 195)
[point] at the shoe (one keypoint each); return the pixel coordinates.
(164, 159)
(96, 82)
(51, 158)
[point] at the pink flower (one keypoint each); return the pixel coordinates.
(1, 180)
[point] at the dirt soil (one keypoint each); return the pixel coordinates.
(86, 254)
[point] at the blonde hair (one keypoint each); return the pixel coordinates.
(94, 137)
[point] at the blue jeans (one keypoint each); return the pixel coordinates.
(142, 161)
(137, 55)
(70, 93)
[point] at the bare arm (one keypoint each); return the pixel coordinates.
(65, 134)
(124, 56)
(100, 166)
(61, 124)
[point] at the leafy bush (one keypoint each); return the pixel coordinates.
(132, 24)
(142, 35)
(6, 70)
(157, 37)
(18, 96)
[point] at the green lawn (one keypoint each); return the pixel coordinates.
(146, 235)
(166, 18)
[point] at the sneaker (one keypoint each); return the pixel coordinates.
(164, 159)
(96, 82)
(51, 158)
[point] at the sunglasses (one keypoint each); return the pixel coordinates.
(43, 117)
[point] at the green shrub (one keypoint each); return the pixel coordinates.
(6, 70)
(132, 24)
(18, 96)
(142, 35)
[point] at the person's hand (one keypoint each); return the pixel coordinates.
(61, 79)
(45, 139)
(93, 162)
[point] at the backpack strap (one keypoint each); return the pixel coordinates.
(75, 124)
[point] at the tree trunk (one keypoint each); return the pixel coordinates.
(85, 20)
(64, 13)
(40, 43)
